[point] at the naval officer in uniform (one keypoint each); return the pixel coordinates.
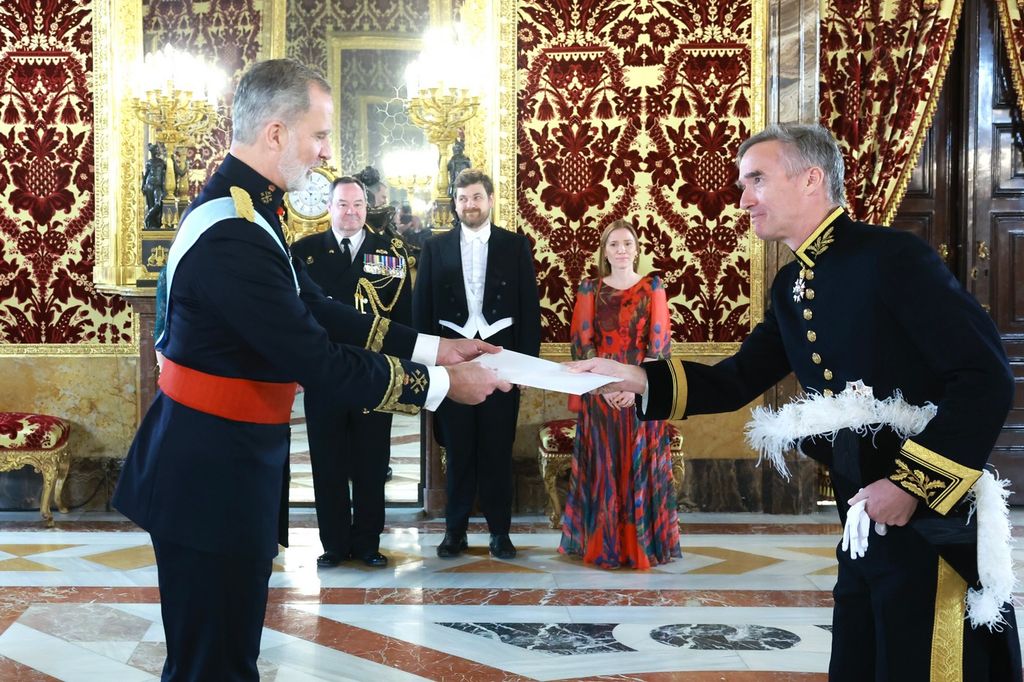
(370, 271)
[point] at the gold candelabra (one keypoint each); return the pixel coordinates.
(440, 100)
(179, 113)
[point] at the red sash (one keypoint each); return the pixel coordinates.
(240, 400)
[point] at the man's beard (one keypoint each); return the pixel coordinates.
(476, 218)
(294, 172)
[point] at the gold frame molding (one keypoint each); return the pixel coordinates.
(117, 43)
(338, 41)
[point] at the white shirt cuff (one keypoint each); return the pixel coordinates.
(425, 352)
(643, 398)
(438, 389)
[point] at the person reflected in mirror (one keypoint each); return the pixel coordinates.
(369, 270)
(874, 315)
(478, 281)
(621, 506)
(207, 472)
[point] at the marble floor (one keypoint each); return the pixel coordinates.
(748, 601)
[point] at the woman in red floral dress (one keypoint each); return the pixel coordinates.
(621, 509)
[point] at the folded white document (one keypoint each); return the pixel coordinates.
(526, 370)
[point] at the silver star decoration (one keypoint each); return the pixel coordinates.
(798, 290)
(858, 388)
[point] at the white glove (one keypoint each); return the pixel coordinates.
(857, 529)
(855, 533)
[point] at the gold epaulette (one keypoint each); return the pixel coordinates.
(243, 204)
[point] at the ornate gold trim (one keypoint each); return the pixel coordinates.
(390, 402)
(338, 41)
(818, 241)
(504, 146)
(562, 351)
(52, 464)
(378, 330)
(77, 349)
(958, 478)
(947, 656)
(117, 44)
(272, 45)
(893, 203)
(679, 389)
(761, 19)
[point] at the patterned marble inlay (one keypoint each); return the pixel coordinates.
(85, 622)
(126, 559)
(710, 637)
(563, 639)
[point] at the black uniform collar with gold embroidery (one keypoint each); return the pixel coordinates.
(266, 196)
(819, 240)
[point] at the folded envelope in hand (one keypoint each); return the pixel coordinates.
(526, 370)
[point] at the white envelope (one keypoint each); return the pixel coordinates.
(526, 370)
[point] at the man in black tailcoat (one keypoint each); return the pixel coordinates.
(477, 281)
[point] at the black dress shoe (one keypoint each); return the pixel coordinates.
(374, 560)
(389, 474)
(330, 559)
(453, 545)
(502, 547)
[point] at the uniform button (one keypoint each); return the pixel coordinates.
(810, 275)
(827, 393)
(811, 336)
(828, 375)
(815, 358)
(808, 314)
(497, 297)
(809, 294)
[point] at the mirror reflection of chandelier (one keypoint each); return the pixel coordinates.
(442, 94)
(413, 170)
(175, 93)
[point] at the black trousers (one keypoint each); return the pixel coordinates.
(478, 441)
(884, 620)
(212, 606)
(348, 445)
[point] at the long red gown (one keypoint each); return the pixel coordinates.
(621, 508)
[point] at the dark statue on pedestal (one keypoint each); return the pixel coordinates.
(153, 187)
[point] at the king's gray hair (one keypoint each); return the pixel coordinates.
(272, 90)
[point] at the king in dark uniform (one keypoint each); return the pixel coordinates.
(207, 473)
(370, 271)
(871, 317)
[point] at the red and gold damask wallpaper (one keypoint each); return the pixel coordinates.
(47, 180)
(636, 110)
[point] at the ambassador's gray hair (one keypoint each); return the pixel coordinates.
(806, 146)
(271, 90)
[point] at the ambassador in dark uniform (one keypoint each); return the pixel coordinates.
(875, 305)
(370, 271)
(478, 281)
(206, 475)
